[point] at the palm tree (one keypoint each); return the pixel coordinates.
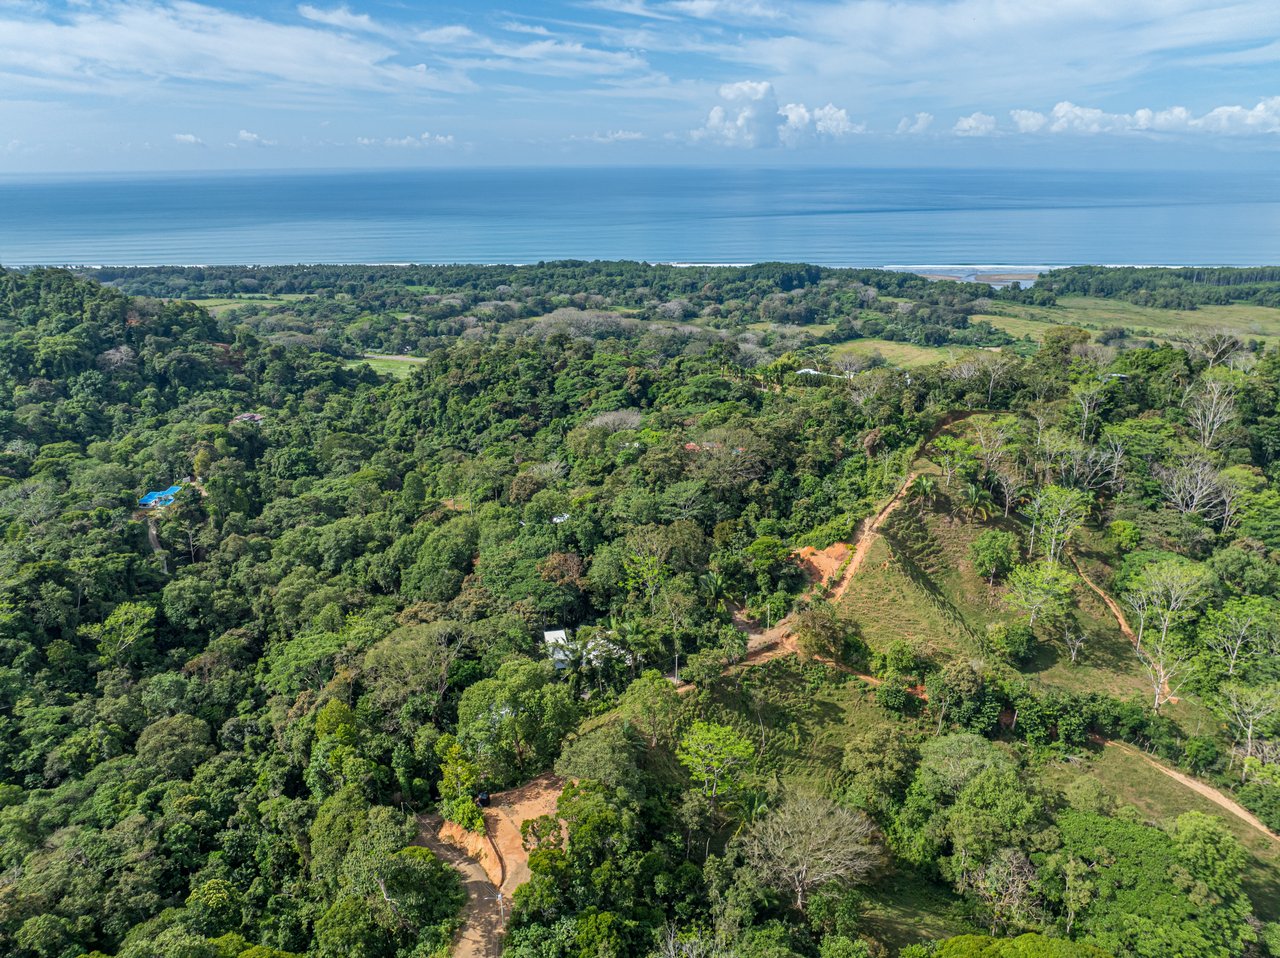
(633, 639)
(715, 589)
(923, 488)
(977, 501)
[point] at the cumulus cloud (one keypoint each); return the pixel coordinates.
(1028, 121)
(917, 124)
(976, 124)
(189, 139)
(1070, 118)
(831, 120)
(750, 117)
(409, 142)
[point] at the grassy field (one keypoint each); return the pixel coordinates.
(1249, 322)
(918, 583)
(906, 355)
(800, 717)
(906, 909)
(398, 367)
(217, 305)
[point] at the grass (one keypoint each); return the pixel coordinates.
(890, 604)
(217, 305)
(1159, 798)
(907, 355)
(801, 717)
(919, 584)
(1249, 322)
(397, 367)
(905, 909)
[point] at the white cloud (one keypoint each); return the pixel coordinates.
(340, 17)
(612, 136)
(1261, 118)
(750, 118)
(454, 33)
(831, 120)
(1066, 117)
(747, 90)
(976, 124)
(725, 9)
(546, 55)
(132, 46)
(1069, 118)
(956, 52)
(189, 139)
(253, 139)
(1028, 121)
(917, 124)
(410, 142)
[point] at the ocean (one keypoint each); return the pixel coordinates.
(838, 217)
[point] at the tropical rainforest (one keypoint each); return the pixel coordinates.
(819, 656)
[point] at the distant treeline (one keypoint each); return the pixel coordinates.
(420, 308)
(616, 278)
(1185, 288)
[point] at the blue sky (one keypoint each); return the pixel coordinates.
(158, 85)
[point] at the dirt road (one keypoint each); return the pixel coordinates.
(483, 917)
(1200, 788)
(869, 534)
(1110, 603)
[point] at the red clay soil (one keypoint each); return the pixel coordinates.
(507, 811)
(1111, 603)
(868, 537)
(493, 865)
(483, 916)
(821, 565)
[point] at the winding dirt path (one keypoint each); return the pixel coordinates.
(1110, 603)
(493, 865)
(868, 537)
(1200, 788)
(483, 917)
(778, 641)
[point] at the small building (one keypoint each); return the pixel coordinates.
(249, 417)
(557, 643)
(158, 500)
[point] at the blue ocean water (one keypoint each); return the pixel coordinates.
(838, 217)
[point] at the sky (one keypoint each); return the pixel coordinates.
(155, 85)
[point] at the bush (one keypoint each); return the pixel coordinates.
(1011, 642)
(897, 658)
(1124, 535)
(893, 693)
(1200, 754)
